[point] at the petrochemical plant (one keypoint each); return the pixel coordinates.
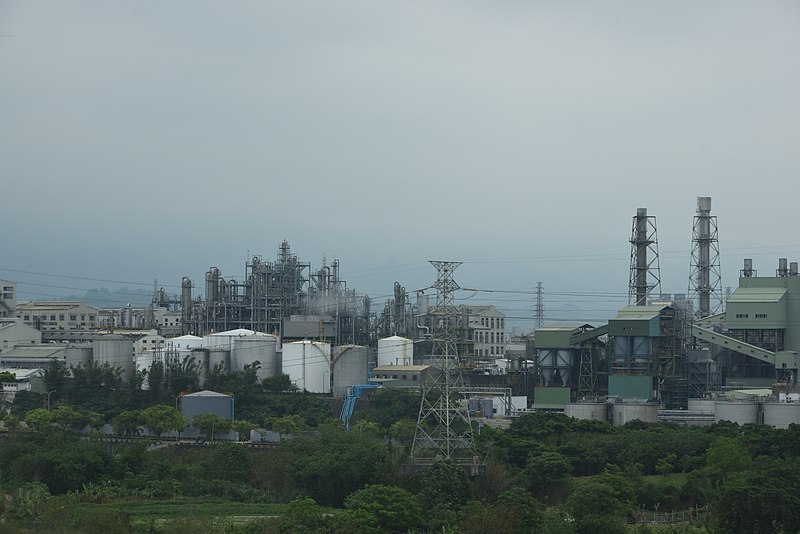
(695, 357)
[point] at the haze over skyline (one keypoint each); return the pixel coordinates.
(518, 137)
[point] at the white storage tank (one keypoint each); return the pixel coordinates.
(117, 351)
(257, 348)
(594, 411)
(308, 365)
(219, 358)
(622, 413)
(78, 355)
(350, 367)
(185, 342)
(743, 413)
(701, 405)
(225, 340)
(144, 360)
(781, 414)
(395, 350)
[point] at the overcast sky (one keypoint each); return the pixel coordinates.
(144, 137)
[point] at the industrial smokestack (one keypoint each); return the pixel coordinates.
(793, 268)
(747, 271)
(645, 271)
(705, 279)
(782, 267)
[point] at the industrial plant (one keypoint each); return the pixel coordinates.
(693, 357)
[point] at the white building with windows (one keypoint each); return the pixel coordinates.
(8, 299)
(58, 315)
(487, 329)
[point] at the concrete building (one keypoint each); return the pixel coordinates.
(48, 316)
(402, 375)
(36, 356)
(8, 298)
(24, 380)
(486, 328)
(151, 341)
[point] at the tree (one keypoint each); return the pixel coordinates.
(210, 424)
(445, 489)
(38, 419)
(727, 455)
(392, 509)
(243, 428)
(161, 418)
(279, 384)
(545, 470)
(128, 423)
(302, 515)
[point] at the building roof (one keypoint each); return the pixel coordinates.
(407, 368)
(206, 393)
(22, 374)
(239, 332)
(640, 312)
(45, 350)
(758, 294)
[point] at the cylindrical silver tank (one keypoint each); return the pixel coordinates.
(200, 358)
(186, 294)
(117, 351)
(743, 412)
(250, 349)
(308, 365)
(144, 360)
(621, 413)
(350, 366)
(218, 358)
(781, 414)
(78, 355)
(395, 350)
(595, 411)
(701, 405)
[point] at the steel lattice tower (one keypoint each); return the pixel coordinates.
(539, 310)
(645, 274)
(705, 280)
(443, 428)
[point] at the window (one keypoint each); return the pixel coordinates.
(413, 377)
(26, 317)
(83, 317)
(761, 316)
(73, 317)
(405, 377)
(60, 316)
(53, 317)
(742, 315)
(92, 318)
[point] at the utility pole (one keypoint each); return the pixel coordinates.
(444, 431)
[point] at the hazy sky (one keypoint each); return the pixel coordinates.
(143, 137)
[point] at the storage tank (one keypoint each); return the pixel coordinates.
(350, 366)
(144, 360)
(308, 365)
(781, 414)
(225, 340)
(219, 358)
(395, 350)
(736, 412)
(186, 342)
(117, 351)
(701, 405)
(594, 411)
(78, 355)
(199, 357)
(622, 413)
(257, 348)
